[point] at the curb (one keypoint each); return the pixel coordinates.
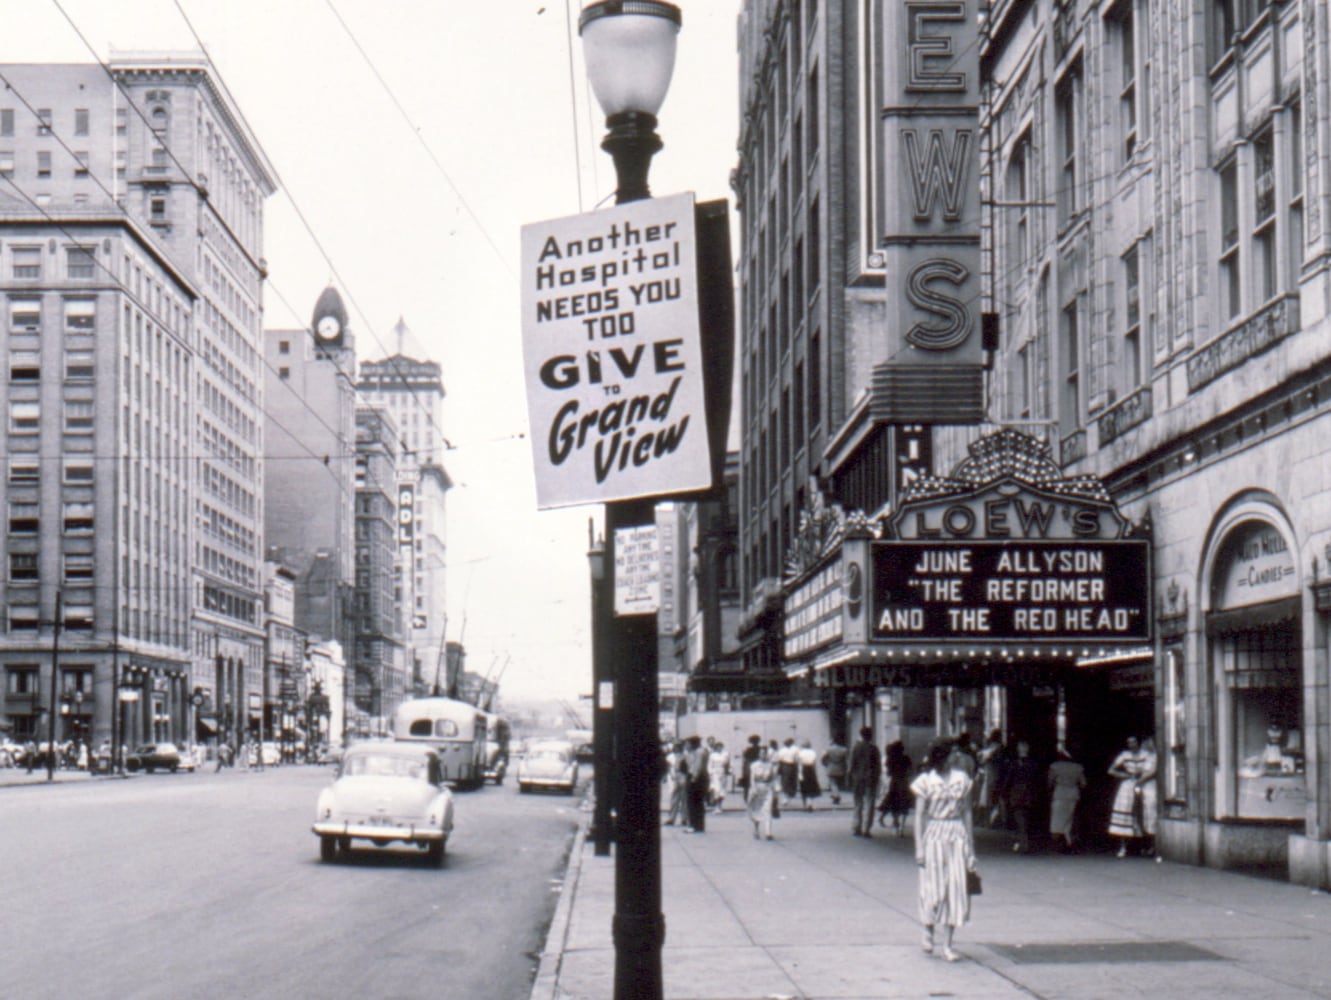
(546, 984)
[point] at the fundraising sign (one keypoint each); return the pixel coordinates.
(612, 354)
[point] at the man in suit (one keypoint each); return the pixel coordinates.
(864, 774)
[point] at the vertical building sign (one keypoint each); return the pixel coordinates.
(932, 372)
(406, 514)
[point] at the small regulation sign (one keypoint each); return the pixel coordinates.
(637, 571)
(612, 354)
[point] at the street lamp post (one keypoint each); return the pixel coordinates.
(602, 701)
(629, 47)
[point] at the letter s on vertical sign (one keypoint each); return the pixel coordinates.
(956, 325)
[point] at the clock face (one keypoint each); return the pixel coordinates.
(329, 327)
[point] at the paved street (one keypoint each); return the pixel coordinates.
(209, 885)
(818, 914)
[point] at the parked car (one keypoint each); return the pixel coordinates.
(272, 754)
(386, 792)
(151, 757)
(548, 764)
(188, 760)
(11, 753)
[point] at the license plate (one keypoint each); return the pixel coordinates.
(380, 821)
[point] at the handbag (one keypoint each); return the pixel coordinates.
(974, 886)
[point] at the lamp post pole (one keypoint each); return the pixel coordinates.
(629, 46)
(602, 700)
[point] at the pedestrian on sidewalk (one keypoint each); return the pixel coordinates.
(762, 794)
(1066, 779)
(897, 801)
(993, 759)
(809, 787)
(697, 778)
(1024, 790)
(788, 769)
(865, 774)
(676, 785)
(944, 846)
(718, 773)
(751, 753)
(1125, 817)
(834, 763)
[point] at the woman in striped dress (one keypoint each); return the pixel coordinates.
(944, 847)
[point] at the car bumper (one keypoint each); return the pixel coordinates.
(380, 834)
(548, 782)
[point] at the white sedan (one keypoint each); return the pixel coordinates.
(386, 792)
(549, 764)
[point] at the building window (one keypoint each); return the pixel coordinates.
(80, 315)
(6, 163)
(1069, 415)
(80, 121)
(78, 473)
(27, 262)
(25, 416)
(1264, 221)
(122, 121)
(1019, 194)
(23, 518)
(23, 618)
(1067, 99)
(43, 121)
(815, 381)
(6, 121)
(43, 163)
(81, 262)
(78, 518)
(81, 164)
(24, 364)
(284, 347)
(24, 473)
(23, 680)
(23, 567)
(1132, 336)
(284, 373)
(80, 364)
(1133, 70)
(1231, 280)
(79, 416)
(78, 567)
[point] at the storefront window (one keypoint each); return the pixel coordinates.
(1257, 665)
(1176, 761)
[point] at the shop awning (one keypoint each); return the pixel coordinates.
(207, 725)
(1253, 617)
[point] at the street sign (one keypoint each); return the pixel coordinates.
(613, 354)
(637, 571)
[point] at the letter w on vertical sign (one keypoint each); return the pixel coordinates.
(938, 174)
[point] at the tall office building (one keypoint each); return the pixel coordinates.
(131, 226)
(381, 674)
(412, 392)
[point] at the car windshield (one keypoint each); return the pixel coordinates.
(384, 765)
(549, 753)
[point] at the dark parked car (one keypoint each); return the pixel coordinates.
(151, 756)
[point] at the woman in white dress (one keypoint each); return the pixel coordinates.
(944, 847)
(761, 794)
(1132, 767)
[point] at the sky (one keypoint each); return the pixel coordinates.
(412, 140)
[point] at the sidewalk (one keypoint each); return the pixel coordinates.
(818, 914)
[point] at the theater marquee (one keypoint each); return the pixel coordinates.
(996, 573)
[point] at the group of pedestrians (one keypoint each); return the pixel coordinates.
(687, 769)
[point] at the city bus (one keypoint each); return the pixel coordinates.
(456, 729)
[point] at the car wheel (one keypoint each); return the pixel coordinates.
(151, 769)
(435, 853)
(523, 789)
(173, 768)
(132, 766)
(327, 848)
